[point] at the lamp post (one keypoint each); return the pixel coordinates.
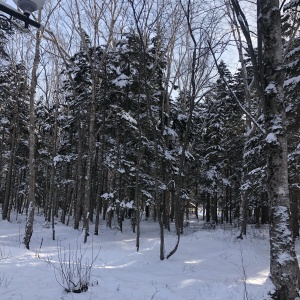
(27, 6)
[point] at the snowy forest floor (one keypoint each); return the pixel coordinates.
(210, 264)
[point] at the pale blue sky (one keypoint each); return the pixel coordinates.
(11, 2)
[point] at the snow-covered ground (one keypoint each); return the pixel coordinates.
(209, 264)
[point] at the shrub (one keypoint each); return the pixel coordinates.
(74, 269)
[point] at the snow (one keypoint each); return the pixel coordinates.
(291, 4)
(246, 186)
(147, 194)
(292, 81)
(271, 88)
(121, 81)
(168, 156)
(209, 263)
(4, 121)
(292, 64)
(130, 204)
(284, 258)
(126, 116)
(187, 154)
(271, 138)
(59, 158)
(170, 132)
(182, 117)
(107, 195)
(293, 51)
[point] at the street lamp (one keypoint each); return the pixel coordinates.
(27, 6)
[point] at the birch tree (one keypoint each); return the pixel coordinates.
(31, 161)
(269, 77)
(284, 266)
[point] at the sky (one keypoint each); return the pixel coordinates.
(10, 2)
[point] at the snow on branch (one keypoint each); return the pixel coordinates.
(292, 81)
(271, 138)
(291, 4)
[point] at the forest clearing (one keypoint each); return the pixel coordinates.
(210, 264)
(118, 118)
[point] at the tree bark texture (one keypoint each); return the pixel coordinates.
(284, 268)
(31, 190)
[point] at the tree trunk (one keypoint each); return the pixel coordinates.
(207, 207)
(294, 196)
(88, 176)
(100, 188)
(31, 190)
(7, 198)
(80, 176)
(284, 266)
(53, 197)
(137, 189)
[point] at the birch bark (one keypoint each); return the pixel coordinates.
(31, 163)
(284, 268)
